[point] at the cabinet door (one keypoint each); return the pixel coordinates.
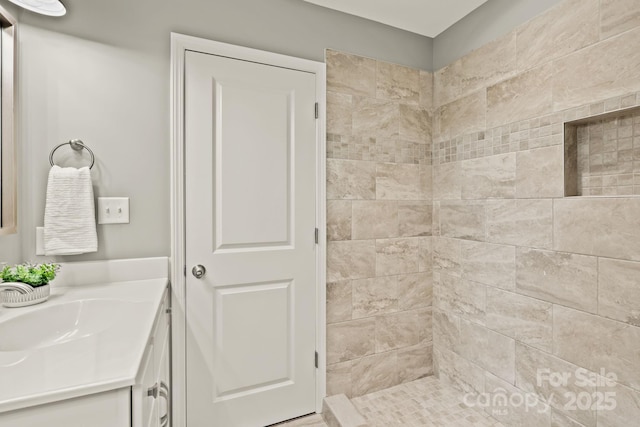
(164, 381)
(145, 393)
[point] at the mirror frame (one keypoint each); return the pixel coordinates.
(8, 191)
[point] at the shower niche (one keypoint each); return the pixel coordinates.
(602, 154)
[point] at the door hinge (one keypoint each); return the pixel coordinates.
(316, 359)
(184, 272)
(317, 232)
(317, 110)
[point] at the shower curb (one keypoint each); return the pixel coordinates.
(338, 411)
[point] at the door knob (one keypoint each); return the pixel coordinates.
(198, 271)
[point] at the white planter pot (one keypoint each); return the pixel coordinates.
(16, 299)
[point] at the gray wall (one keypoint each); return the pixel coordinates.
(493, 19)
(101, 74)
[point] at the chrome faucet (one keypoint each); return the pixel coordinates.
(21, 288)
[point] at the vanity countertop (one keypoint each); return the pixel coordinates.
(105, 357)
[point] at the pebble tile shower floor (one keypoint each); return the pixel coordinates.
(422, 403)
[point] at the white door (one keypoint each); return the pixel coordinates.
(250, 161)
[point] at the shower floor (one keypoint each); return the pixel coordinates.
(422, 403)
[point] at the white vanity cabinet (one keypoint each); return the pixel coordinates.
(150, 396)
(144, 404)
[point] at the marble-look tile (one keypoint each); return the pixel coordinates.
(520, 222)
(339, 306)
(397, 330)
(473, 341)
(533, 371)
(525, 319)
(447, 86)
(339, 379)
(375, 118)
(350, 74)
(618, 16)
(500, 355)
(489, 64)
(374, 373)
(374, 219)
(447, 256)
(524, 96)
(426, 182)
(540, 173)
(425, 402)
(490, 264)
(339, 108)
(447, 181)
(415, 362)
(458, 372)
(415, 124)
(403, 182)
(597, 343)
(338, 220)
(626, 411)
(397, 256)
(493, 351)
(425, 261)
(505, 405)
(619, 290)
(374, 296)
(460, 117)
(415, 290)
(436, 219)
(608, 227)
(567, 27)
(463, 298)
(490, 177)
(398, 83)
(558, 277)
(558, 419)
(587, 75)
(349, 179)
(415, 218)
(463, 219)
(426, 89)
(425, 325)
(350, 259)
(446, 330)
(350, 340)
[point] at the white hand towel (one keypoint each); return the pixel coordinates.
(69, 213)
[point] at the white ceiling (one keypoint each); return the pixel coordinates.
(426, 17)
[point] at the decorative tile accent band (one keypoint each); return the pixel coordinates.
(527, 134)
(377, 150)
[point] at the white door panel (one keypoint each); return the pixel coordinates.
(250, 142)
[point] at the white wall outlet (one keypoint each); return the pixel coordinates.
(113, 210)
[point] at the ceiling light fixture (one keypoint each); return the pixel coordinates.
(43, 7)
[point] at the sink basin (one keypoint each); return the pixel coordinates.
(55, 324)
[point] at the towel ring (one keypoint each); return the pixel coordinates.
(77, 145)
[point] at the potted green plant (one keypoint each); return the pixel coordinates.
(36, 276)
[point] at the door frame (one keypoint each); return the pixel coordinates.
(181, 43)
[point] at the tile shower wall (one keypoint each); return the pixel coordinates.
(378, 224)
(525, 279)
(609, 156)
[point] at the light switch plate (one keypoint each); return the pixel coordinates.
(113, 210)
